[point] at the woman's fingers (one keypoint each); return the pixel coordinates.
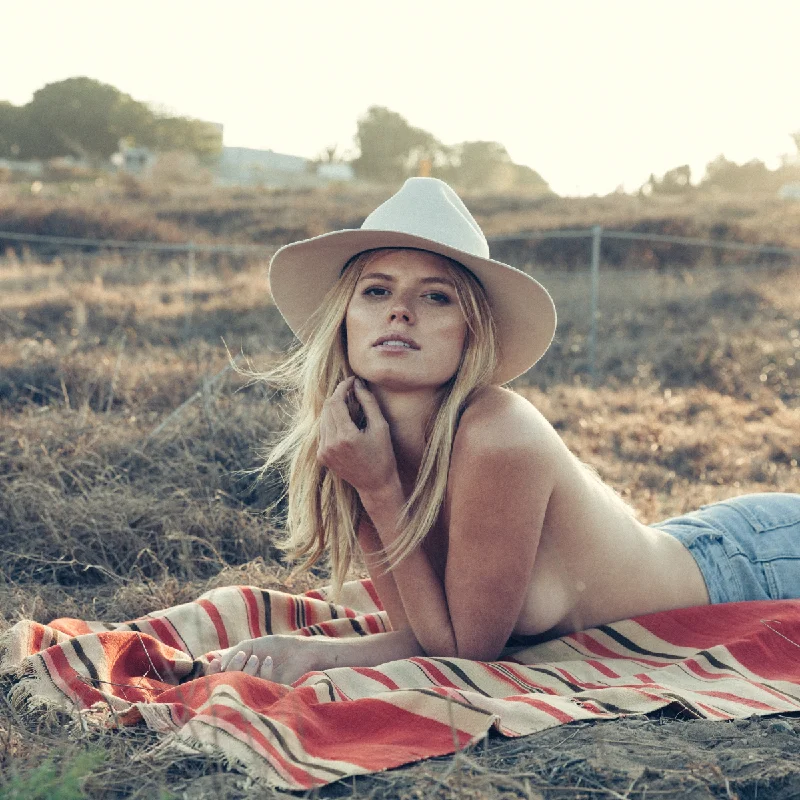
(214, 666)
(266, 669)
(241, 661)
(252, 666)
(372, 411)
(237, 661)
(337, 407)
(335, 421)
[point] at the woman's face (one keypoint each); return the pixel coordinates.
(405, 328)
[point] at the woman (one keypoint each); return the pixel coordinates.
(474, 520)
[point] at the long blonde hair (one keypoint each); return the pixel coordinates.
(323, 510)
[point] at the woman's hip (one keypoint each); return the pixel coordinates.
(747, 547)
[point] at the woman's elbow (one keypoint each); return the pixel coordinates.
(475, 653)
(469, 649)
(474, 649)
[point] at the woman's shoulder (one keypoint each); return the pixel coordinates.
(497, 417)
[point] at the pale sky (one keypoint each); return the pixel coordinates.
(590, 94)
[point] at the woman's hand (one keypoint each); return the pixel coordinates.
(282, 659)
(363, 454)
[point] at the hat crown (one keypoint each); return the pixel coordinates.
(429, 208)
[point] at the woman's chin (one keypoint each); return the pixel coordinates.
(400, 383)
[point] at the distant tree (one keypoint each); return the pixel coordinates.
(729, 176)
(487, 166)
(10, 130)
(203, 139)
(390, 148)
(81, 117)
(479, 165)
(529, 179)
(85, 118)
(674, 181)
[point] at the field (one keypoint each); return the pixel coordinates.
(110, 507)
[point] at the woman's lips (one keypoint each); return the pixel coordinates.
(394, 346)
(396, 343)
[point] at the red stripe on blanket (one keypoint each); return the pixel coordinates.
(578, 682)
(163, 631)
(308, 612)
(37, 637)
(292, 622)
(762, 649)
(329, 629)
(499, 673)
(548, 709)
(69, 682)
(372, 623)
(713, 712)
(253, 613)
(593, 646)
(373, 594)
(216, 619)
(644, 693)
(72, 627)
(228, 718)
(367, 672)
(745, 701)
(435, 673)
(602, 668)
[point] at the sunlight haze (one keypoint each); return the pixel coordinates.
(591, 95)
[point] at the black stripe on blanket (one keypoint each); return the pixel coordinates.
(265, 596)
(309, 766)
(629, 645)
(85, 660)
(461, 674)
(357, 627)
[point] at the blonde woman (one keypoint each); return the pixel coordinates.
(474, 520)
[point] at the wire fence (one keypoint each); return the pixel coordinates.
(590, 266)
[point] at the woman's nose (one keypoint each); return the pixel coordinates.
(401, 312)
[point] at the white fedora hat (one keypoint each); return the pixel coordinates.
(425, 214)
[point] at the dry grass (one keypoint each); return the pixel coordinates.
(275, 217)
(699, 399)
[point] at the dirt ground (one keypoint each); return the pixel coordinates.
(637, 758)
(660, 756)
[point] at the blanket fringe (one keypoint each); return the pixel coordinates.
(31, 692)
(10, 656)
(175, 743)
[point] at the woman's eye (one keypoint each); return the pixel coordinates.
(375, 291)
(438, 297)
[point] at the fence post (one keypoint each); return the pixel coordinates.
(188, 296)
(597, 233)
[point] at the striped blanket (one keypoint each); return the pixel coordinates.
(720, 662)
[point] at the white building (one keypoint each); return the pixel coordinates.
(133, 160)
(789, 191)
(247, 166)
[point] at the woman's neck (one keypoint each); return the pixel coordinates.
(407, 414)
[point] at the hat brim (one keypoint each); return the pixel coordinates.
(302, 273)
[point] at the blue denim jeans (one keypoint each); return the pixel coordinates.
(747, 548)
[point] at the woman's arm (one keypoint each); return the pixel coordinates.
(501, 477)
(285, 658)
(382, 579)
